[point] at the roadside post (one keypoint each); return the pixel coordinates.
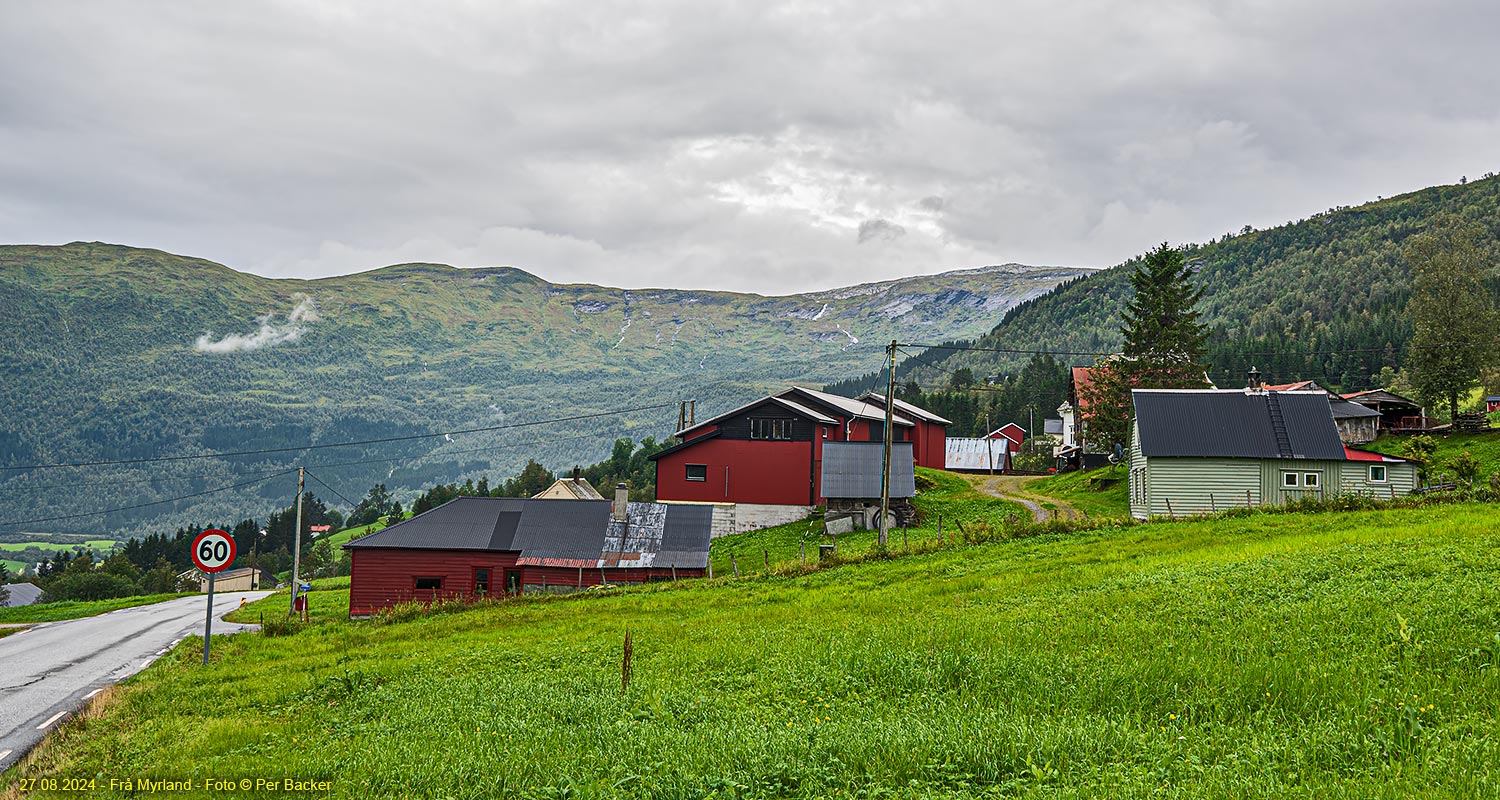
(213, 551)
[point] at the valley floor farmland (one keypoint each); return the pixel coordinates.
(1278, 655)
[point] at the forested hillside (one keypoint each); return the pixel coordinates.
(1321, 298)
(111, 353)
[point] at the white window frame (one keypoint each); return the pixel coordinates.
(1291, 480)
(1385, 474)
(1312, 480)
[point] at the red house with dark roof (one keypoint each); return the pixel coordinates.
(475, 547)
(769, 453)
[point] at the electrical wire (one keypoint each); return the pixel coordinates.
(309, 474)
(17, 523)
(383, 440)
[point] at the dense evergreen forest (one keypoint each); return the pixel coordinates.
(1323, 298)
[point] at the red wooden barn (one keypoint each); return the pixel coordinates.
(475, 547)
(1010, 432)
(770, 452)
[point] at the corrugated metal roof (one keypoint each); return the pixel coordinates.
(573, 533)
(22, 594)
(905, 408)
(857, 409)
(1347, 409)
(796, 408)
(975, 454)
(1234, 423)
(853, 469)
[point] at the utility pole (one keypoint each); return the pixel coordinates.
(989, 442)
(297, 538)
(885, 476)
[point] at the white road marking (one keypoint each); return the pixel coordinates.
(55, 717)
(91, 694)
(146, 663)
(4, 753)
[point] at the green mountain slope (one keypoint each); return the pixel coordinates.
(1321, 298)
(111, 352)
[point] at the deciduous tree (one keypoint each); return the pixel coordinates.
(1452, 313)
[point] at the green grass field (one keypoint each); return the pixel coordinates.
(1278, 655)
(73, 609)
(1075, 489)
(15, 567)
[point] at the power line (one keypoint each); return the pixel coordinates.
(1267, 354)
(17, 523)
(383, 440)
(309, 474)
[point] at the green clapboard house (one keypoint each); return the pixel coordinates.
(1196, 451)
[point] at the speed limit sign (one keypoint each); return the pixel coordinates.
(213, 550)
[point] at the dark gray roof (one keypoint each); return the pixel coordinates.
(852, 469)
(1345, 409)
(23, 594)
(1234, 423)
(573, 533)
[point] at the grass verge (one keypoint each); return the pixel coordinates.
(73, 609)
(1081, 490)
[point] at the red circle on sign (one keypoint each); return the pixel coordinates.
(213, 550)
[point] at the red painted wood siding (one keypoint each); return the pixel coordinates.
(742, 471)
(537, 577)
(382, 577)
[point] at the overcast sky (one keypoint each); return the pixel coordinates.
(749, 146)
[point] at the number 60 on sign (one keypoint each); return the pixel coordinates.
(213, 550)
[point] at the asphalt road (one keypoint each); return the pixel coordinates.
(49, 671)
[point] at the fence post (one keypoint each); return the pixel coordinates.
(905, 543)
(940, 528)
(1170, 515)
(734, 564)
(1212, 506)
(768, 559)
(1247, 498)
(580, 577)
(804, 552)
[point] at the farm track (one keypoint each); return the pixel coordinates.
(1013, 488)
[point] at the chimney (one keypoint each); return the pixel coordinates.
(575, 473)
(619, 511)
(1252, 380)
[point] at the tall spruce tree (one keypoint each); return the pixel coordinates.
(1164, 346)
(1161, 322)
(1452, 312)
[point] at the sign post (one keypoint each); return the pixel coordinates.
(213, 551)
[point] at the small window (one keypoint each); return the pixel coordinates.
(697, 472)
(481, 581)
(774, 429)
(1310, 480)
(429, 583)
(1289, 480)
(1377, 473)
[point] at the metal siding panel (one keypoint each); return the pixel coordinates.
(852, 469)
(1200, 485)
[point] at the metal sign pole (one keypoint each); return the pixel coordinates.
(208, 622)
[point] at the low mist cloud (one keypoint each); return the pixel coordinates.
(270, 333)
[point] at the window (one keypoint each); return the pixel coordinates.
(1310, 480)
(777, 429)
(1377, 473)
(429, 583)
(1289, 480)
(481, 581)
(697, 472)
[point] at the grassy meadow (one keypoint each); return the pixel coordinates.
(73, 609)
(1276, 655)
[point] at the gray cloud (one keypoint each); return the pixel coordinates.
(881, 229)
(739, 146)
